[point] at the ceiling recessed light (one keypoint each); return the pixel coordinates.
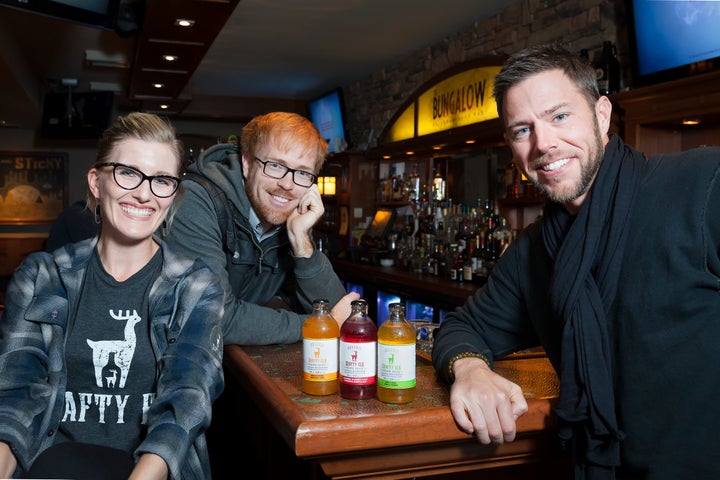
(158, 85)
(170, 58)
(164, 106)
(184, 22)
(691, 121)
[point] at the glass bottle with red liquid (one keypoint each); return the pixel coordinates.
(358, 354)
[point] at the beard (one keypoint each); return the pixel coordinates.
(265, 213)
(588, 171)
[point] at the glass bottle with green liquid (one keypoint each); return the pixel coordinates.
(396, 358)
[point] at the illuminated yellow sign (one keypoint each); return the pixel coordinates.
(456, 101)
(404, 126)
(460, 100)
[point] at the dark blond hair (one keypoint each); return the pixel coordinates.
(141, 126)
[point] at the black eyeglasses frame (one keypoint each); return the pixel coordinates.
(149, 178)
(287, 170)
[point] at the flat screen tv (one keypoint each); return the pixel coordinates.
(122, 16)
(673, 39)
(328, 114)
(79, 116)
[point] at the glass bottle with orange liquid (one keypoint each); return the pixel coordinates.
(320, 334)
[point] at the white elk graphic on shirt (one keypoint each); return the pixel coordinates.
(123, 350)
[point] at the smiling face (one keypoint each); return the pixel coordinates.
(274, 199)
(556, 137)
(130, 216)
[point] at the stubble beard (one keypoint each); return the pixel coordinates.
(588, 171)
(266, 213)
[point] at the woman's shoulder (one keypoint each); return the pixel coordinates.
(38, 260)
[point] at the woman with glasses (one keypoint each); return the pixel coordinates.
(268, 263)
(111, 348)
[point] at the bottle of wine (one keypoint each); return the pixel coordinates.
(607, 68)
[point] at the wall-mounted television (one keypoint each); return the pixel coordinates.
(123, 16)
(671, 39)
(82, 115)
(327, 113)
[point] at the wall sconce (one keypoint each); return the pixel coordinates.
(326, 185)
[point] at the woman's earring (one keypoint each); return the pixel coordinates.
(97, 213)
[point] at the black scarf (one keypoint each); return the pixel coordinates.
(588, 252)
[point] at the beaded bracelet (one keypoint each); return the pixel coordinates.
(465, 355)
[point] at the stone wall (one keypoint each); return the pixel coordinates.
(581, 24)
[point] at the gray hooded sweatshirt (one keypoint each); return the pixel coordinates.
(253, 274)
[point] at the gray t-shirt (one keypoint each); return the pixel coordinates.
(111, 366)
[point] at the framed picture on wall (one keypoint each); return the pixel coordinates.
(33, 186)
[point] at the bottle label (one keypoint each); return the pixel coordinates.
(357, 363)
(467, 272)
(396, 365)
(320, 362)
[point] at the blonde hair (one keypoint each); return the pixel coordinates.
(142, 126)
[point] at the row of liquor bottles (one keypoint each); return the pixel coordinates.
(412, 188)
(458, 242)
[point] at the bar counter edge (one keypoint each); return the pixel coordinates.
(414, 442)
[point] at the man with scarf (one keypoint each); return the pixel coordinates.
(619, 282)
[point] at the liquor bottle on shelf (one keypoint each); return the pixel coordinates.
(512, 181)
(459, 264)
(478, 258)
(358, 351)
(452, 266)
(491, 251)
(468, 266)
(438, 186)
(607, 69)
(503, 235)
(434, 261)
(320, 334)
(442, 262)
(414, 184)
(462, 238)
(396, 358)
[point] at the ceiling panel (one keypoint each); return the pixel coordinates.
(161, 35)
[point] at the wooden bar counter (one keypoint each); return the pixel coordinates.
(341, 439)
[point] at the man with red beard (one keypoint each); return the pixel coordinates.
(267, 260)
(619, 281)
